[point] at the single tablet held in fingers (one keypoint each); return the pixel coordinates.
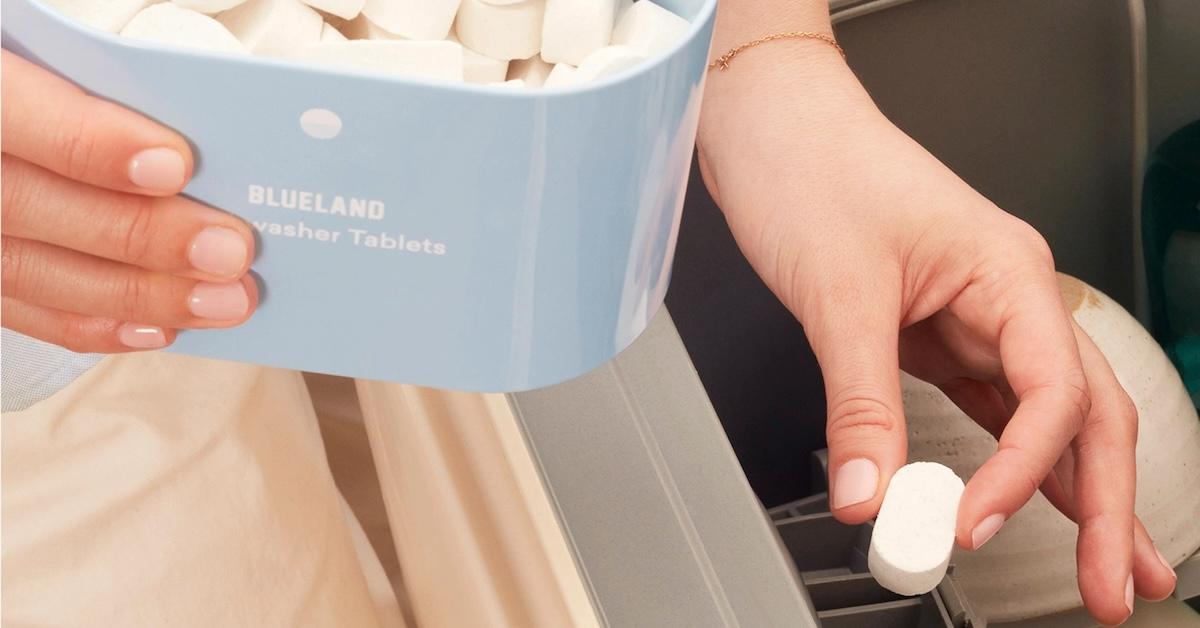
(914, 533)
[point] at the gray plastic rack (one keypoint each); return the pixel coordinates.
(832, 560)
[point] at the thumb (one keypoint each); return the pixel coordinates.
(855, 339)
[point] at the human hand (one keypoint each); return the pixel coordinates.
(100, 254)
(891, 261)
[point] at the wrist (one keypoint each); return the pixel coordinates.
(739, 21)
(794, 83)
(789, 103)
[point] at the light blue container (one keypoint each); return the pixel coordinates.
(544, 221)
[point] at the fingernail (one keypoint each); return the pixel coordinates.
(219, 301)
(855, 482)
(141, 336)
(158, 170)
(986, 529)
(219, 251)
(1165, 563)
(1129, 593)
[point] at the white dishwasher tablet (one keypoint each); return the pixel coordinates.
(442, 60)
(413, 19)
(561, 74)
(363, 28)
(478, 68)
(168, 24)
(649, 28)
(345, 9)
(605, 61)
(914, 533)
(109, 16)
(207, 6)
(533, 71)
(275, 28)
(572, 29)
(511, 31)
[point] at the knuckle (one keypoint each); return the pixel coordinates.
(20, 197)
(1035, 243)
(136, 296)
(135, 233)
(1107, 523)
(10, 261)
(1070, 390)
(1116, 424)
(1127, 413)
(1075, 391)
(17, 275)
(1123, 413)
(1126, 409)
(75, 334)
(1025, 477)
(856, 413)
(76, 143)
(1078, 395)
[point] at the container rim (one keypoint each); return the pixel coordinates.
(697, 25)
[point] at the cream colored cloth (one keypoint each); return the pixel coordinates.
(160, 490)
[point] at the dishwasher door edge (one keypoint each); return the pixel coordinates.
(664, 526)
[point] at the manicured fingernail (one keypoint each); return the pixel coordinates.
(1129, 593)
(158, 170)
(855, 482)
(1165, 563)
(219, 301)
(141, 336)
(986, 529)
(219, 251)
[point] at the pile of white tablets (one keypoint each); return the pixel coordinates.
(521, 43)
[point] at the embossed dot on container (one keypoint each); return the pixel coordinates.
(321, 124)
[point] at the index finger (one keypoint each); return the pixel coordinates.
(50, 122)
(1041, 362)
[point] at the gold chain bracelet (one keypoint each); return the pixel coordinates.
(723, 60)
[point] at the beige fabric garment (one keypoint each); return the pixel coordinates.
(160, 490)
(354, 472)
